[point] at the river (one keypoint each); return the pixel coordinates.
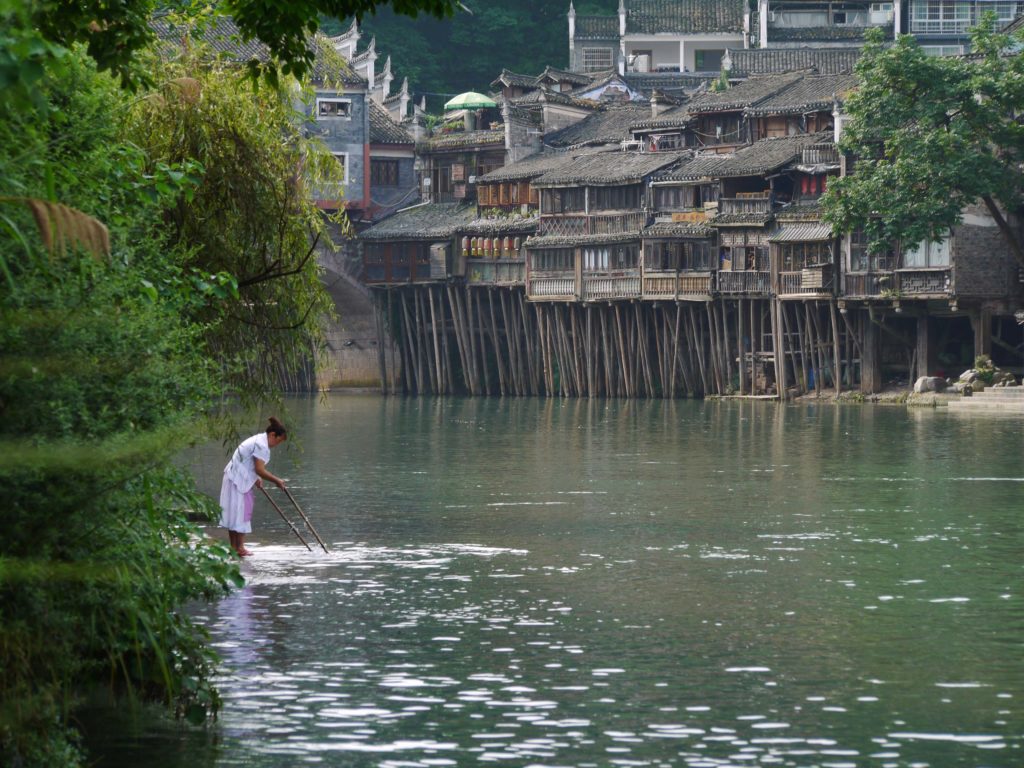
(615, 583)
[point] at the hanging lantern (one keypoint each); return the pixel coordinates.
(465, 246)
(516, 244)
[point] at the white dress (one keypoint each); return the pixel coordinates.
(239, 478)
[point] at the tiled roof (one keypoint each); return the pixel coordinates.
(422, 222)
(597, 27)
(806, 232)
(811, 93)
(557, 97)
(804, 211)
(384, 130)
(742, 96)
(510, 78)
(608, 168)
(461, 139)
(757, 158)
(530, 168)
(741, 219)
(609, 124)
(225, 39)
(760, 61)
(505, 225)
(678, 229)
(684, 16)
(816, 34)
(562, 76)
(701, 167)
(676, 117)
(673, 84)
(567, 241)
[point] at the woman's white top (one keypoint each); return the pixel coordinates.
(241, 470)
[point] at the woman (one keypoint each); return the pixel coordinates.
(248, 467)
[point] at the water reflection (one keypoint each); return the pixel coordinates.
(636, 583)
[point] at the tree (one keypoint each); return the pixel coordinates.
(252, 216)
(930, 136)
(37, 33)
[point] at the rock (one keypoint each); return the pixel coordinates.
(977, 385)
(969, 376)
(929, 384)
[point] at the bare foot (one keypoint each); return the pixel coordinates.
(243, 552)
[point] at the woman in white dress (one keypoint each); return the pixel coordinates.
(247, 468)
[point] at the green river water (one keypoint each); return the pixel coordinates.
(608, 583)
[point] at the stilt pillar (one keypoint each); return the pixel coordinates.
(871, 362)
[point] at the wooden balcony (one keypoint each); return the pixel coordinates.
(745, 204)
(610, 286)
(935, 282)
(495, 271)
(551, 288)
(745, 282)
(816, 281)
(574, 225)
(678, 285)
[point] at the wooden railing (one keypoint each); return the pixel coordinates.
(607, 287)
(820, 155)
(925, 282)
(728, 205)
(550, 288)
(747, 281)
(678, 285)
(496, 271)
(815, 280)
(595, 224)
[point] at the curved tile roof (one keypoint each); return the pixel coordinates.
(812, 93)
(760, 61)
(422, 222)
(609, 124)
(743, 95)
(684, 16)
(760, 157)
(597, 27)
(461, 139)
(608, 168)
(678, 229)
(568, 241)
(383, 129)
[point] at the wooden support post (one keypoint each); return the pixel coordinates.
(870, 362)
(837, 363)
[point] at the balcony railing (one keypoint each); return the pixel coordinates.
(825, 155)
(551, 288)
(678, 285)
(925, 282)
(496, 271)
(744, 205)
(746, 282)
(608, 287)
(904, 282)
(815, 280)
(595, 224)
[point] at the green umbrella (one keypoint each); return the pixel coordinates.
(469, 100)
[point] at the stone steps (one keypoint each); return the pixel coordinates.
(1006, 401)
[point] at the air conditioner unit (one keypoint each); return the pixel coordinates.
(472, 179)
(771, 16)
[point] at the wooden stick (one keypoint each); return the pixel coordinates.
(281, 513)
(304, 518)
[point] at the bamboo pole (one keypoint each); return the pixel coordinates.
(283, 517)
(305, 519)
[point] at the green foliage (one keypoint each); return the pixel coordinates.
(986, 369)
(930, 136)
(38, 33)
(467, 52)
(252, 217)
(103, 378)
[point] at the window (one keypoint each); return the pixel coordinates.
(615, 198)
(553, 260)
(563, 200)
(342, 158)
(328, 108)
(927, 254)
(597, 59)
(861, 260)
(797, 256)
(383, 173)
(610, 257)
(943, 50)
(940, 16)
(707, 61)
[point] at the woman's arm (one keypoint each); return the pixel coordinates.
(262, 471)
